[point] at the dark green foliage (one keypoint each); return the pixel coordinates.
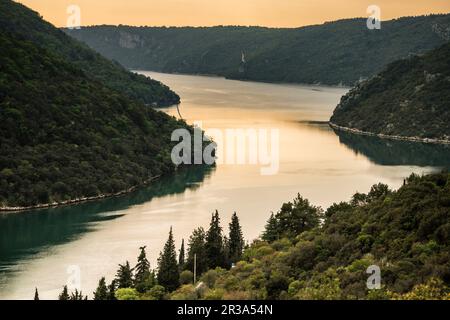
(409, 98)
(36, 294)
(271, 232)
(64, 295)
(112, 290)
(124, 276)
(181, 256)
(292, 219)
(405, 232)
(77, 296)
(332, 53)
(214, 246)
(65, 136)
(26, 24)
(101, 293)
(236, 240)
(168, 272)
(196, 246)
(142, 271)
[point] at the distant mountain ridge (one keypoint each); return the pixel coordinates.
(340, 52)
(409, 100)
(19, 20)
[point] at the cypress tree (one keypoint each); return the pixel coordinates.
(112, 290)
(142, 271)
(168, 273)
(101, 293)
(236, 240)
(271, 232)
(214, 244)
(77, 296)
(196, 246)
(64, 295)
(181, 257)
(124, 276)
(36, 294)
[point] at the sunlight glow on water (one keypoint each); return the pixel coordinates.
(37, 247)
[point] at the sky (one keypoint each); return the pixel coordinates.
(270, 13)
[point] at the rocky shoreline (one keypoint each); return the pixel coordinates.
(386, 136)
(78, 200)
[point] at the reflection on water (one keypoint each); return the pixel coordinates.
(36, 248)
(395, 152)
(26, 233)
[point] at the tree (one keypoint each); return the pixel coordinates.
(236, 240)
(36, 294)
(64, 295)
(142, 271)
(186, 277)
(271, 232)
(298, 216)
(77, 296)
(214, 243)
(181, 257)
(112, 290)
(196, 247)
(168, 272)
(101, 293)
(124, 276)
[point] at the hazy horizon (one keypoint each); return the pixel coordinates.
(204, 13)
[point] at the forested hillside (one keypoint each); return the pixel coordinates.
(339, 52)
(26, 24)
(306, 252)
(65, 136)
(410, 98)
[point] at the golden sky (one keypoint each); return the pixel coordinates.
(272, 13)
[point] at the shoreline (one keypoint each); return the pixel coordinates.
(78, 200)
(216, 76)
(386, 136)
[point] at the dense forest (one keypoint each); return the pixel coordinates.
(26, 24)
(340, 52)
(410, 98)
(65, 135)
(306, 252)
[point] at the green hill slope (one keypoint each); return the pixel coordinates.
(332, 53)
(410, 98)
(23, 22)
(65, 136)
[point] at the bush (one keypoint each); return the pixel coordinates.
(127, 294)
(186, 277)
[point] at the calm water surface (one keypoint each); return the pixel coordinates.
(38, 248)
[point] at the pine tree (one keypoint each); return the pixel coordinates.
(64, 294)
(214, 244)
(181, 257)
(168, 273)
(77, 296)
(142, 271)
(112, 290)
(271, 232)
(196, 247)
(36, 294)
(236, 240)
(101, 293)
(124, 276)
